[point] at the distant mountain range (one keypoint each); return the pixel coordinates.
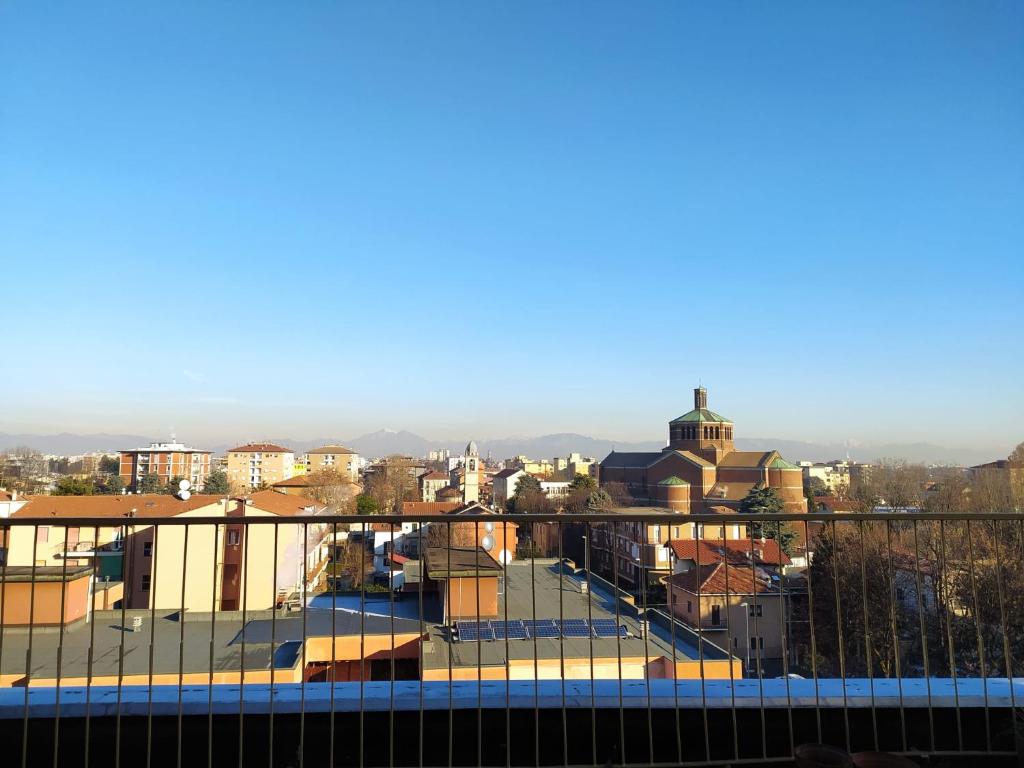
(386, 441)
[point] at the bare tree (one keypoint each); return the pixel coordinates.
(331, 487)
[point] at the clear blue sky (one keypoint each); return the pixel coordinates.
(298, 219)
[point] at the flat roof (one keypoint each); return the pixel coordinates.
(27, 573)
(544, 589)
(456, 562)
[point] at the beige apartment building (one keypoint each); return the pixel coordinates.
(258, 465)
(336, 458)
(195, 567)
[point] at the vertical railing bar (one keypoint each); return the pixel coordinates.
(949, 640)
(785, 611)
(333, 677)
(243, 540)
(362, 645)
(508, 661)
(588, 564)
(644, 576)
(1008, 657)
(810, 623)
(273, 641)
(561, 649)
(181, 639)
(839, 631)
(28, 652)
(752, 608)
(700, 659)
(213, 632)
(727, 566)
(618, 640)
(895, 633)
(447, 617)
(304, 576)
(419, 597)
(126, 552)
(924, 634)
(154, 554)
(536, 662)
(6, 531)
(479, 648)
(92, 642)
(867, 632)
(981, 642)
(60, 649)
(391, 602)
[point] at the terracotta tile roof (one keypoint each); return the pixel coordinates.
(832, 504)
(145, 505)
(712, 580)
(283, 503)
(260, 448)
(746, 458)
(737, 550)
(429, 507)
(434, 475)
(331, 449)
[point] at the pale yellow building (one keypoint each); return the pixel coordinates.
(259, 465)
(195, 567)
(336, 458)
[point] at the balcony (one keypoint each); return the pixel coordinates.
(902, 635)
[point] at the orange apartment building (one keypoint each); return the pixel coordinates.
(166, 461)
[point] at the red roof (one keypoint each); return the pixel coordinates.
(260, 448)
(714, 551)
(712, 579)
(429, 507)
(394, 557)
(833, 504)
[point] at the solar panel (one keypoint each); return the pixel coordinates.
(541, 628)
(513, 629)
(574, 627)
(607, 628)
(474, 631)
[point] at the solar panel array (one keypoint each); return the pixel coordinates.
(527, 629)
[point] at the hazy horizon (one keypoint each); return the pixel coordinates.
(531, 219)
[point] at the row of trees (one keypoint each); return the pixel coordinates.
(584, 496)
(216, 483)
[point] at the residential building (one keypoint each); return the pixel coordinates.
(432, 482)
(256, 465)
(166, 461)
(221, 567)
(337, 458)
(505, 483)
(834, 474)
(706, 468)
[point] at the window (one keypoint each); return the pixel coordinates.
(756, 610)
(147, 549)
(145, 582)
(233, 538)
(689, 606)
(43, 534)
(900, 594)
(716, 615)
(757, 643)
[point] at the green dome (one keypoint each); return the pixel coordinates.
(673, 481)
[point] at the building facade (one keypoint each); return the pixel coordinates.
(255, 465)
(166, 461)
(701, 468)
(336, 458)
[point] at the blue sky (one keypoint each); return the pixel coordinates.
(513, 218)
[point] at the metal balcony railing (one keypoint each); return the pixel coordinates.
(894, 632)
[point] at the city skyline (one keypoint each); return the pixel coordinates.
(329, 220)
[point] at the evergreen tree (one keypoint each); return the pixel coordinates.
(217, 483)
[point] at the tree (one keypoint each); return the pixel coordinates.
(111, 486)
(366, 505)
(529, 498)
(582, 482)
(763, 500)
(150, 483)
(74, 486)
(110, 465)
(172, 486)
(332, 488)
(1017, 454)
(217, 483)
(815, 486)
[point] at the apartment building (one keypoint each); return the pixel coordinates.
(336, 458)
(834, 474)
(256, 465)
(166, 461)
(216, 568)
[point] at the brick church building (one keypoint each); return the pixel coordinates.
(700, 470)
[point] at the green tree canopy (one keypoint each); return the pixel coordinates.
(217, 483)
(150, 483)
(585, 482)
(111, 465)
(111, 486)
(763, 500)
(74, 486)
(366, 505)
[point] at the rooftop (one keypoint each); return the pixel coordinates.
(260, 448)
(331, 449)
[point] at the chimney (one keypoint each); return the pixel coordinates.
(700, 398)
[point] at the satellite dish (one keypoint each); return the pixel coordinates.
(184, 495)
(487, 542)
(184, 485)
(489, 527)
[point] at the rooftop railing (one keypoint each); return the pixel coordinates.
(513, 640)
